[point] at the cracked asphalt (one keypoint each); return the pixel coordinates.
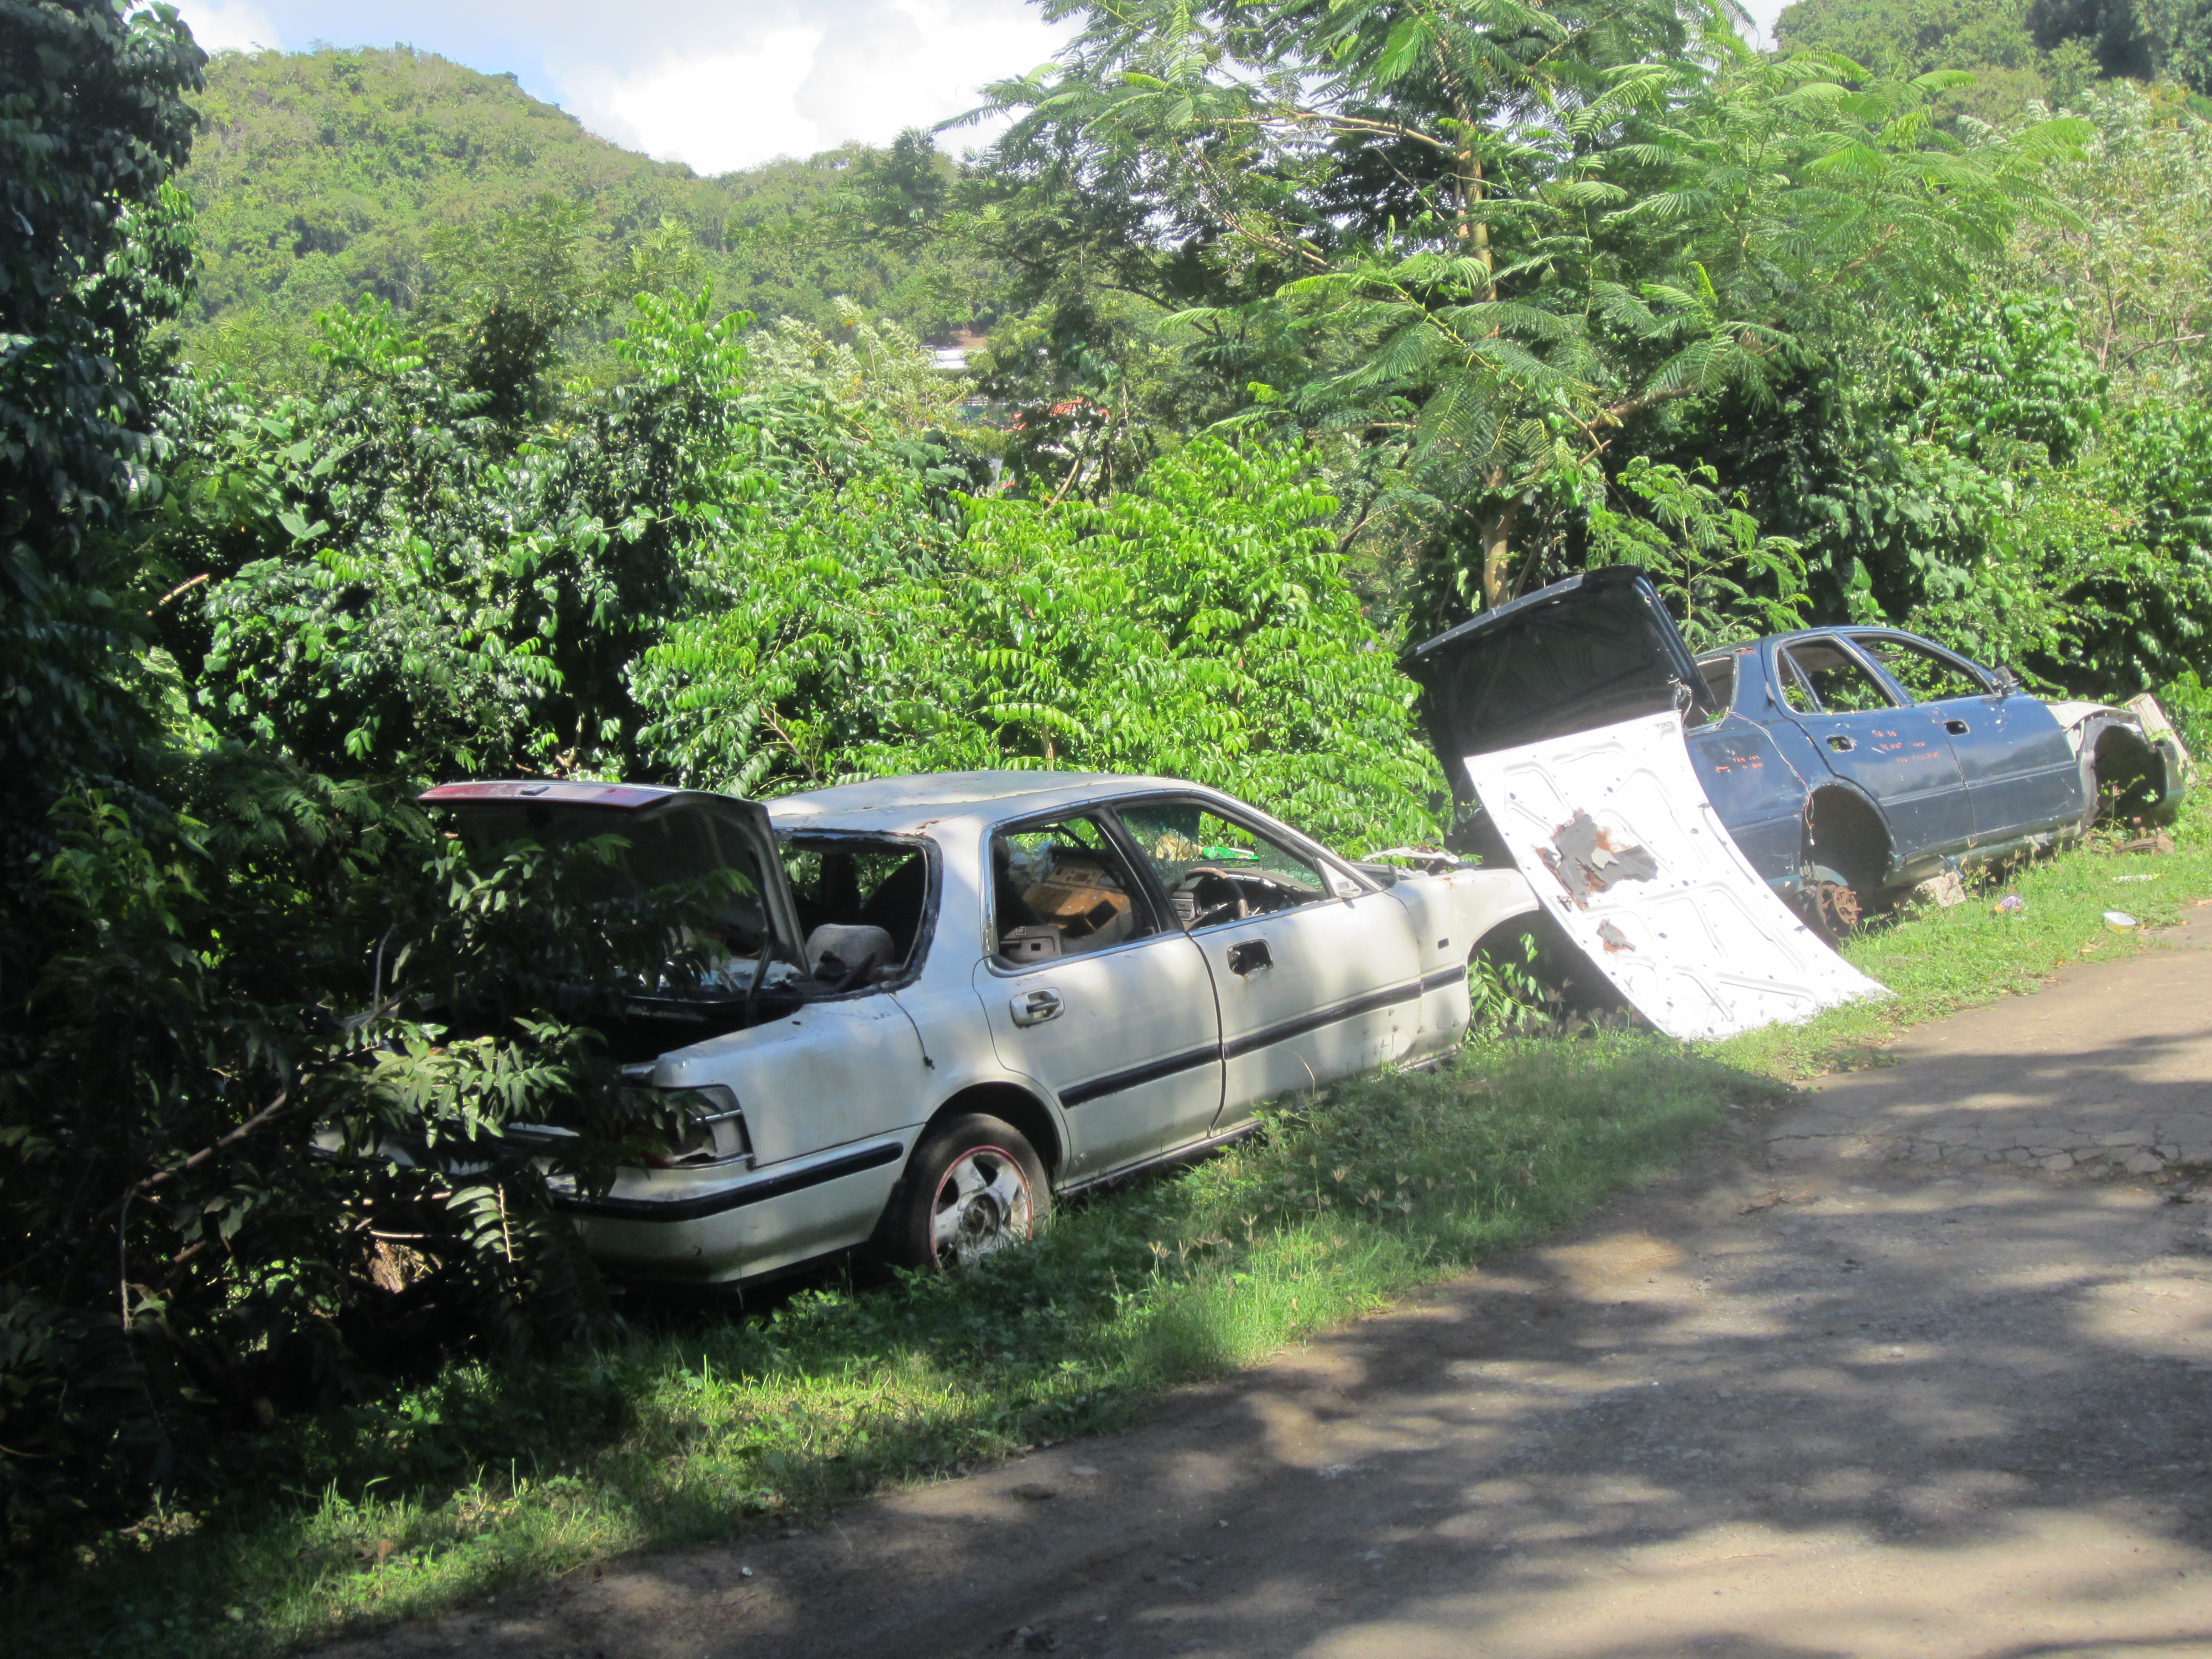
(1919, 1364)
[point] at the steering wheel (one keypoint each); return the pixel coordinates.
(1214, 896)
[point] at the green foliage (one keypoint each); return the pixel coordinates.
(2129, 253)
(326, 177)
(92, 119)
(2019, 49)
(1706, 556)
(1198, 626)
(294, 969)
(1596, 214)
(1966, 475)
(1900, 39)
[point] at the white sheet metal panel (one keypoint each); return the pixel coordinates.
(1616, 837)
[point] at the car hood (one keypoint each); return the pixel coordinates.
(1591, 650)
(675, 833)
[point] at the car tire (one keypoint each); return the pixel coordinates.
(973, 1187)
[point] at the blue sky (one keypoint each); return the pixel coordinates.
(720, 85)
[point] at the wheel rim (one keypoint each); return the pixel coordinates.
(1837, 907)
(982, 1204)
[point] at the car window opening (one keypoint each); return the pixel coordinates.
(1216, 870)
(1824, 679)
(1719, 676)
(1928, 676)
(860, 906)
(1060, 889)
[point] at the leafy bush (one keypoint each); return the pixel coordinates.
(1199, 626)
(234, 1014)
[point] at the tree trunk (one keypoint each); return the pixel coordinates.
(1497, 531)
(1473, 231)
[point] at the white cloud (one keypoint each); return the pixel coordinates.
(793, 81)
(1763, 14)
(229, 25)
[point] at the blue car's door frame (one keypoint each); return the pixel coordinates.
(2022, 775)
(1751, 782)
(1899, 757)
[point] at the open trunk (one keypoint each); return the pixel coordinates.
(748, 956)
(1591, 651)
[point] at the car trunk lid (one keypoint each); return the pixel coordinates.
(674, 836)
(1592, 650)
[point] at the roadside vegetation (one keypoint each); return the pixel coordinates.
(1311, 331)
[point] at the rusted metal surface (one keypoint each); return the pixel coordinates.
(1588, 859)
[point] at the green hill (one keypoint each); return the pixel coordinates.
(2018, 50)
(319, 178)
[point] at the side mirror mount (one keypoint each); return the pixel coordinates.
(2006, 681)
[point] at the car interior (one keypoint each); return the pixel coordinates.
(1060, 889)
(1216, 870)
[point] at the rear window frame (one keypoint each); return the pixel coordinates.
(925, 933)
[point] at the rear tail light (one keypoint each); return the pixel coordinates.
(713, 1130)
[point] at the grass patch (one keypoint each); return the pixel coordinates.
(709, 1426)
(1938, 961)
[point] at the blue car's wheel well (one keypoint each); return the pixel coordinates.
(1845, 832)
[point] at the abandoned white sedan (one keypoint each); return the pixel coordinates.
(951, 998)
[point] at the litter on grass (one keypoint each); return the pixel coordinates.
(2120, 922)
(2117, 880)
(2007, 904)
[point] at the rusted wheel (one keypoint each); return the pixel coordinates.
(1835, 909)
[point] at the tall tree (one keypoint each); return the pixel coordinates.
(96, 254)
(1524, 228)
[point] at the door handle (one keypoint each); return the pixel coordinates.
(1841, 744)
(1250, 955)
(1034, 1007)
(1956, 728)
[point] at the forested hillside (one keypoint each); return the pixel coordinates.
(2019, 50)
(324, 178)
(364, 424)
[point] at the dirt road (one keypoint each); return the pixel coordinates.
(1921, 1365)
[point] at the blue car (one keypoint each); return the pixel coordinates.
(1849, 763)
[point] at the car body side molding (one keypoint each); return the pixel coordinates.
(1137, 1076)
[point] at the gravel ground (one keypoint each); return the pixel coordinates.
(1917, 1364)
